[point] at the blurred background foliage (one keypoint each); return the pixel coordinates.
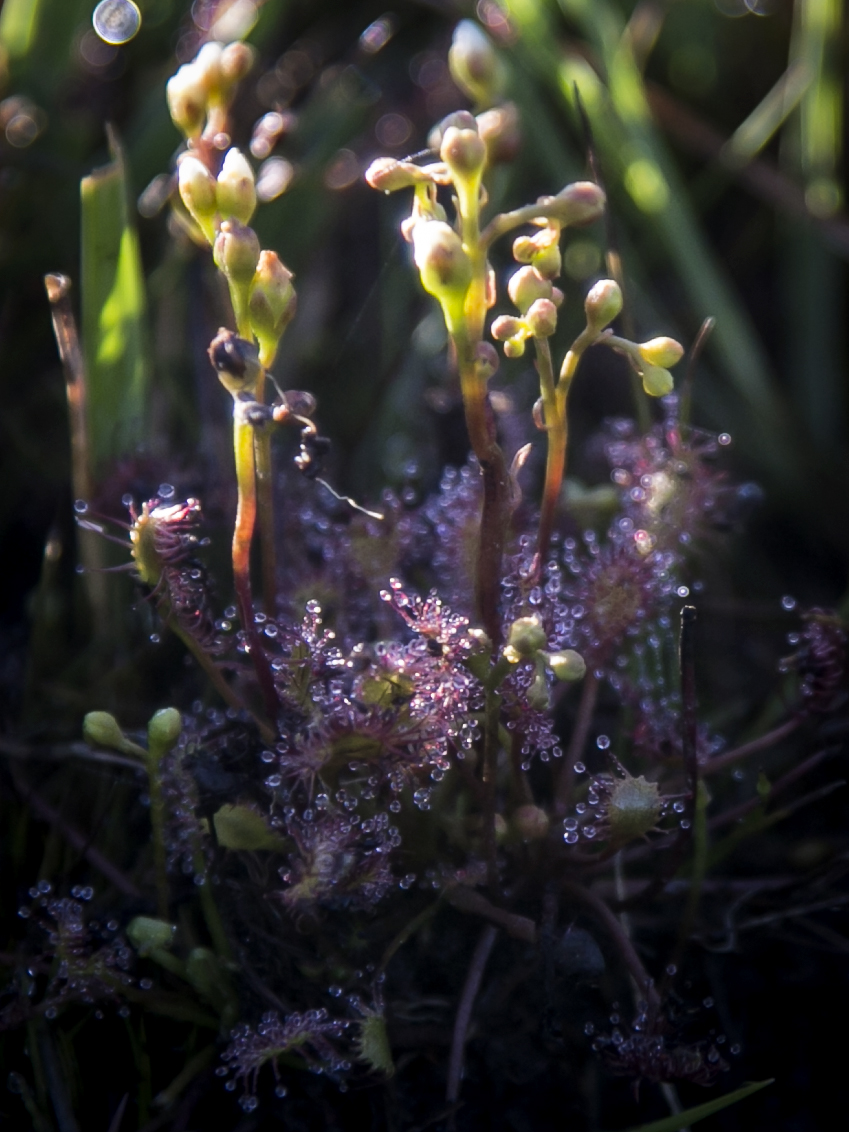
(719, 133)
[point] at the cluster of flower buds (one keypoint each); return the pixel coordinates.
(533, 293)
(200, 93)
(526, 641)
(222, 205)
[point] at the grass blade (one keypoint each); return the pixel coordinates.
(680, 1120)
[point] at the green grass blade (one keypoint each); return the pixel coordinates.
(113, 314)
(18, 26)
(684, 1119)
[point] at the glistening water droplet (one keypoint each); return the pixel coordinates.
(116, 21)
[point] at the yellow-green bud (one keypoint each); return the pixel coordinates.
(657, 381)
(163, 731)
(661, 352)
(506, 326)
(524, 249)
(241, 827)
(526, 636)
(473, 63)
(102, 730)
(567, 665)
(531, 823)
(603, 304)
(500, 130)
(463, 151)
(236, 188)
(236, 252)
(146, 934)
(444, 266)
(272, 303)
(548, 261)
(514, 347)
(526, 286)
(577, 204)
(633, 809)
(187, 100)
(538, 695)
(542, 318)
(197, 191)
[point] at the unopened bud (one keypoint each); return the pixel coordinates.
(388, 175)
(148, 934)
(459, 119)
(514, 347)
(506, 326)
(567, 665)
(236, 252)
(236, 188)
(272, 303)
(102, 730)
(187, 100)
(557, 297)
(526, 636)
(241, 827)
(661, 352)
(548, 261)
(197, 191)
(577, 204)
(163, 731)
(538, 695)
(657, 381)
(473, 63)
(208, 64)
(526, 286)
(500, 130)
(463, 151)
(603, 303)
(531, 823)
(235, 62)
(542, 318)
(443, 264)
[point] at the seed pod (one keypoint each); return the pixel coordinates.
(474, 64)
(236, 187)
(661, 352)
(235, 360)
(602, 304)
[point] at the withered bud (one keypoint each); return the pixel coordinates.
(602, 304)
(474, 64)
(235, 360)
(579, 203)
(506, 326)
(236, 252)
(526, 286)
(661, 352)
(463, 152)
(500, 130)
(657, 381)
(236, 187)
(531, 823)
(541, 318)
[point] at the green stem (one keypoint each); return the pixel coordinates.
(157, 821)
(211, 916)
(557, 434)
(265, 506)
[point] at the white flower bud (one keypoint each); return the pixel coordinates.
(236, 188)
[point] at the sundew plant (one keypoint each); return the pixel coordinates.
(430, 827)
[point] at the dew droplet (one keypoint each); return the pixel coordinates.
(603, 742)
(580, 768)
(788, 603)
(280, 1090)
(116, 21)
(724, 438)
